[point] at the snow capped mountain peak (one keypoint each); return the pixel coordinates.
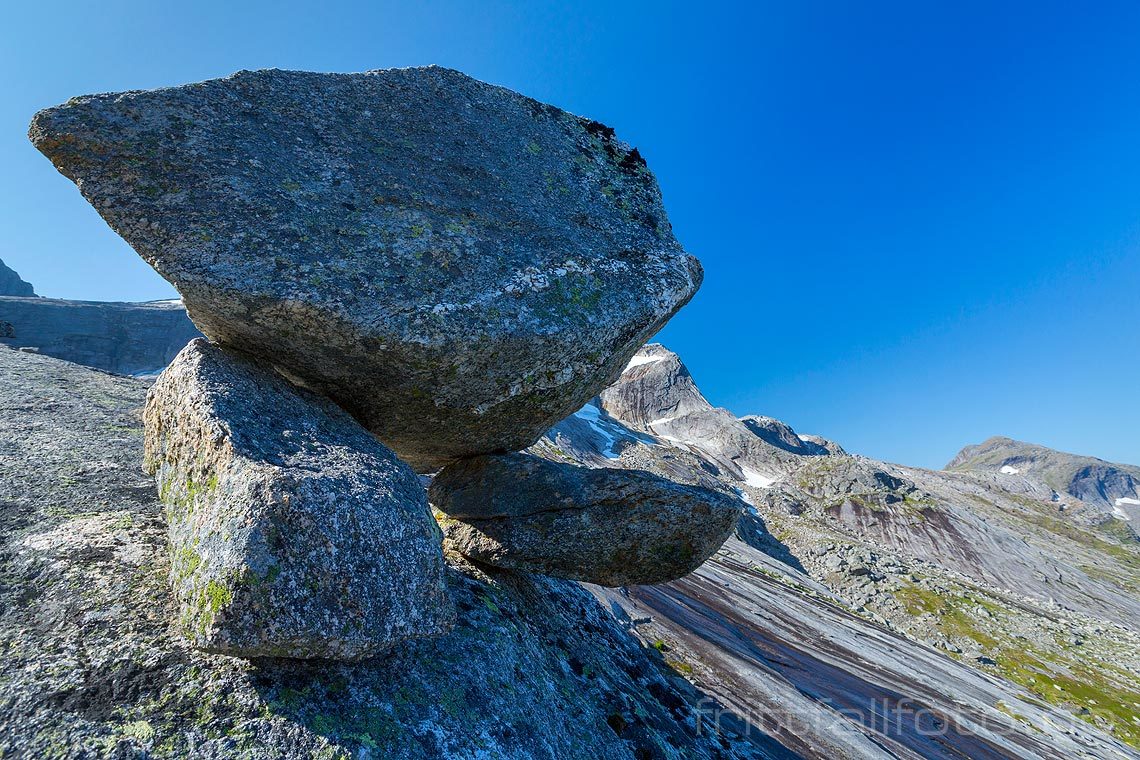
(1091, 486)
(655, 386)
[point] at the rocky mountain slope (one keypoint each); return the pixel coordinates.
(1088, 489)
(1043, 611)
(11, 284)
(124, 338)
(852, 615)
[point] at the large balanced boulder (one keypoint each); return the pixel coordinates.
(455, 264)
(605, 526)
(293, 532)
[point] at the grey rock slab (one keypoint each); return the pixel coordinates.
(293, 531)
(457, 265)
(605, 526)
(764, 649)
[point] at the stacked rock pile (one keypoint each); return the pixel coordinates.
(398, 271)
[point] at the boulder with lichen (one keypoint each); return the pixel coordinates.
(605, 526)
(293, 532)
(457, 265)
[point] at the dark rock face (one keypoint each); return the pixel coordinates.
(293, 531)
(604, 526)
(92, 668)
(457, 265)
(124, 338)
(12, 285)
(1105, 483)
(825, 445)
(781, 435)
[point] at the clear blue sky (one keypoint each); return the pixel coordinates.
(920, 221)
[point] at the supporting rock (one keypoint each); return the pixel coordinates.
(293, 532)
(605, 526)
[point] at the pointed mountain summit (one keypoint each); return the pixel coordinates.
(655, 387)
(656, 394)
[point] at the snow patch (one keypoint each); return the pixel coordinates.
(592, 416)
(637, 361)
(756, 479)
(671, 439)
(1118, 509)
(661, 421)
(1007, 470)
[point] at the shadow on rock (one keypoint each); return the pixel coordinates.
(753, 531)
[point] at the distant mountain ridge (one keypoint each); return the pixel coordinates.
(124, 338)
(1101, 487)
(11, 284)
(990, 569)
